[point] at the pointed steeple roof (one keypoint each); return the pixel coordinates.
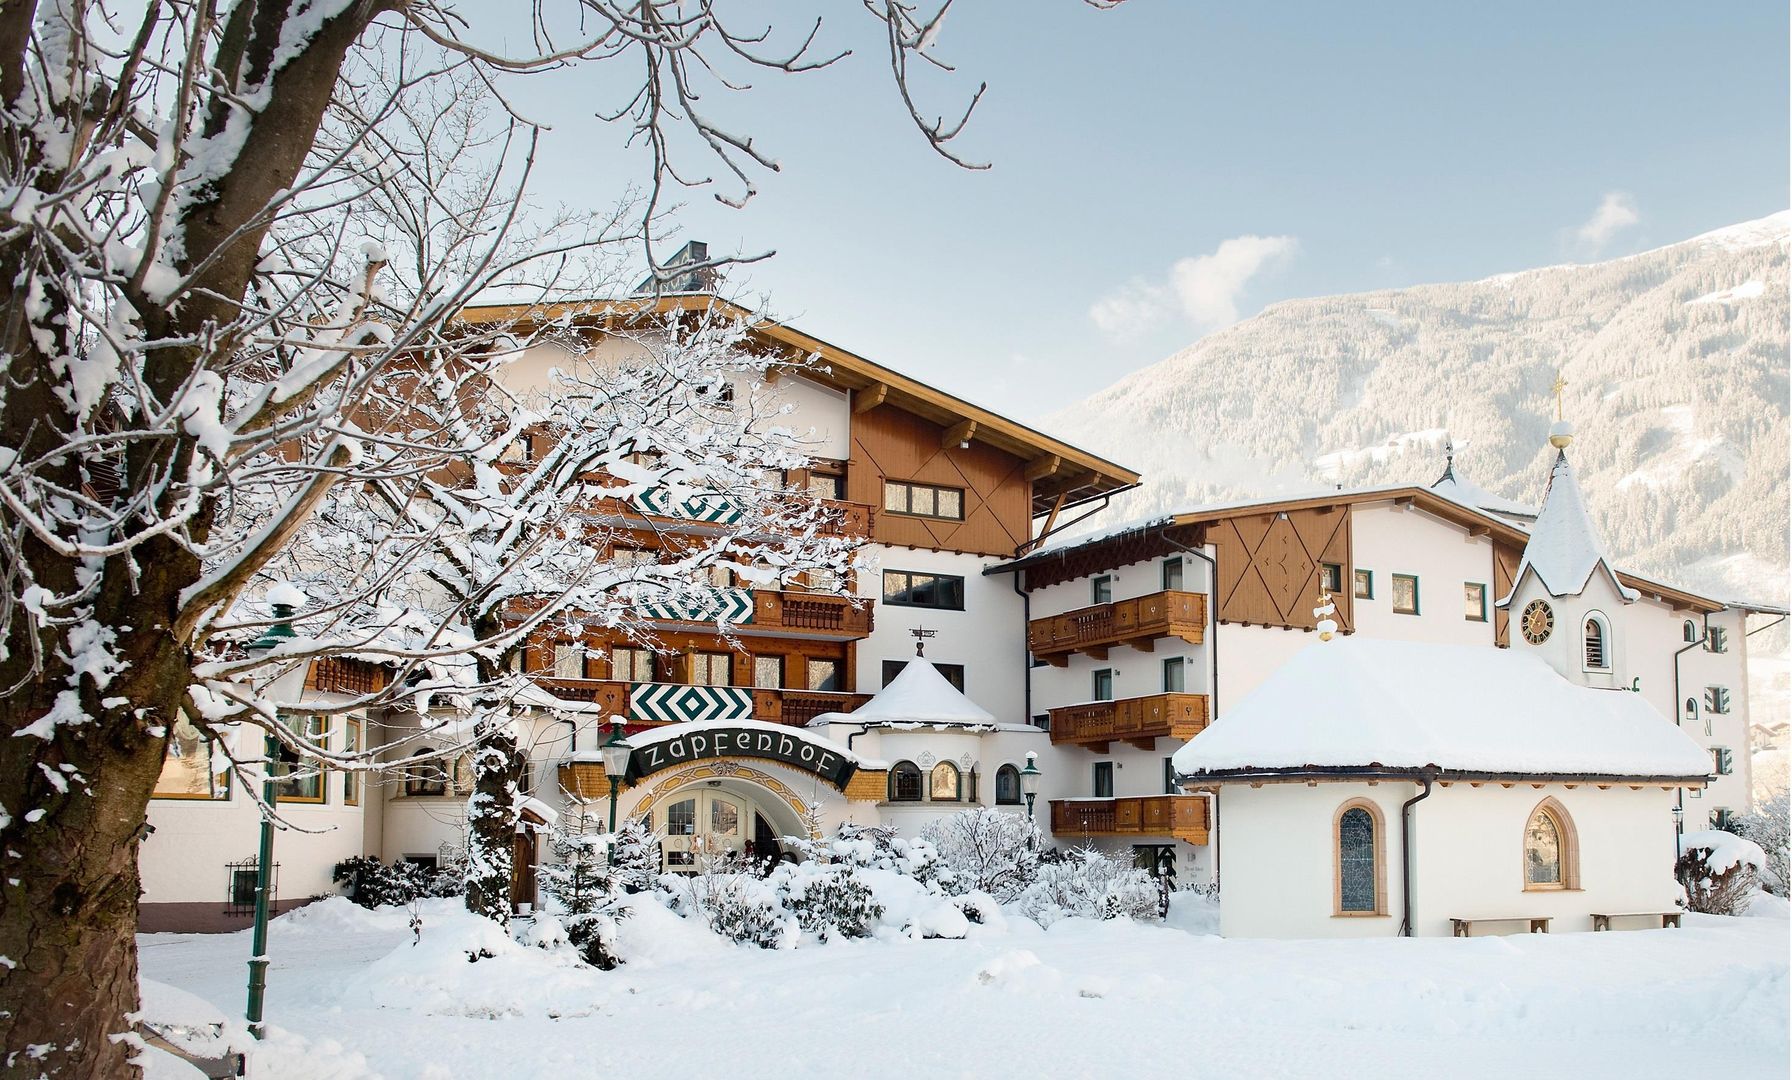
(1458, 488)
(920, 695)
(1564, 549)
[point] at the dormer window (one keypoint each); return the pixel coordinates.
(1598, 644)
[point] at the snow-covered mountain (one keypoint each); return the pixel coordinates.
(1676, 367)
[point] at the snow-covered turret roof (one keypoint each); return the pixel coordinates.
(1564, 549)
(1460, 489)
(918, 694)
(1365, 704)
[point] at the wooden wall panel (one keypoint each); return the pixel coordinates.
(1505, 566)
(1269, 566)
(887, 442)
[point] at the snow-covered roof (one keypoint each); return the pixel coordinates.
(1362, 703)
(1564, 550)
(918, 694)
(1457, 488)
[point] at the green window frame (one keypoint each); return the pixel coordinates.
(1363, 584)
(1474, 601)
(1412, 581)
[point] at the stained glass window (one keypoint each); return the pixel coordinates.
(1542, 850)
(945, 783)
(1356, 860)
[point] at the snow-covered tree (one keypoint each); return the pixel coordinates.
(202, 345)
(989, 850)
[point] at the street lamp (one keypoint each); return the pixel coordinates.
(616, 753)
(1029, 781)
(285, 600)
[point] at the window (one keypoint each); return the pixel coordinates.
(768, 672)
(628, 556)
(1714, 639)
(1717, 700)
(1331, 577)
(1722, 762)
(712, 669)
(906, 588)
(299, 780)
(824, 675)
(1689, 631)
(1474, 601)
(1406, 594)
(628, 664)
(1364, 584)
(1598, 645)
(1043, 721)
(1723, 817)
(1175, 675)
(924, 500)
(827, 486)
(1102, 780)
(1171, 787)
(1691, 708)
(681, 818)
(1172, 575)
(954, 673)
(1008, 786)
(351, 780)
(1359, 870)
(1101, 589)
(187, 766)
(717, 575)
(427, 778)
(1101, 685)
(1551, 850)
(943, 787)
(569, 661)
(905, 782)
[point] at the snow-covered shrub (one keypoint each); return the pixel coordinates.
(1768, 827)
(1718, 871)
(728, 894)
(828, 901)
(1090, 884)
(875, 847)
(635, 856)
(585, 887)
(371, 883)
(986, 849)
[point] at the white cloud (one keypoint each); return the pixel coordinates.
(1204, 289)
(1617, 212)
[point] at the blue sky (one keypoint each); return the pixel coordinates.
(1164, 168)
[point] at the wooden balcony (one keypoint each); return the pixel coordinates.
(670, 702)
(1181, 816)
(811, 614)
(1138, 721)
(1137, 622)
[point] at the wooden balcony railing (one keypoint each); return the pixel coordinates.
(1181, 816)
(1136, 720)
(810, 613)
(669, 702)
(1136, 622)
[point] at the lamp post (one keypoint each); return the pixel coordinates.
(1029, 781)
(285, 601)
(616, 752)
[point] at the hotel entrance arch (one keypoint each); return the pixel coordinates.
(722, 808)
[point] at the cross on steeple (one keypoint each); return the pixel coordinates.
(1560, 384)
(921, 634)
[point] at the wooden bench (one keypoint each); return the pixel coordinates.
(1668, 918)
(1534, 924)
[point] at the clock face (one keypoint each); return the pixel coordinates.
(1537, 622)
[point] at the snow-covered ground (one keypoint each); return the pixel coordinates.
(356, 999)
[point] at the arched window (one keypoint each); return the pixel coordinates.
(1361, 867)
(1598, 639)
(1008, 786)
(1689, 631)
(905, 782)
(944, 787)
(1551, 848)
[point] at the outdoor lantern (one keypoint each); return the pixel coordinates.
(1029, 780)
(616, 753)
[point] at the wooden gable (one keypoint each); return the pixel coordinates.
(890, 443)
(1269, 566)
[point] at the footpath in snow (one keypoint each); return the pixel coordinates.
(350, 998)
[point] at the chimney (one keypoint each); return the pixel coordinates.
(698, 278)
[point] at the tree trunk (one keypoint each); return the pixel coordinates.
(493, 813)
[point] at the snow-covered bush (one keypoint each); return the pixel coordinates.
(1718, 870)
(828, 901)
(1090, 884)
(635, 856)
(728, 894)
(985, 849)
(587, 889)
(1768, 827)
(874, 847)
(371, 883)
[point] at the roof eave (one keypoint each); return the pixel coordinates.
(1345, 773)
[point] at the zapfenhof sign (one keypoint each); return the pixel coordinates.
(785, 748)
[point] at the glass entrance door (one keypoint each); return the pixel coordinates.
(713, 823)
